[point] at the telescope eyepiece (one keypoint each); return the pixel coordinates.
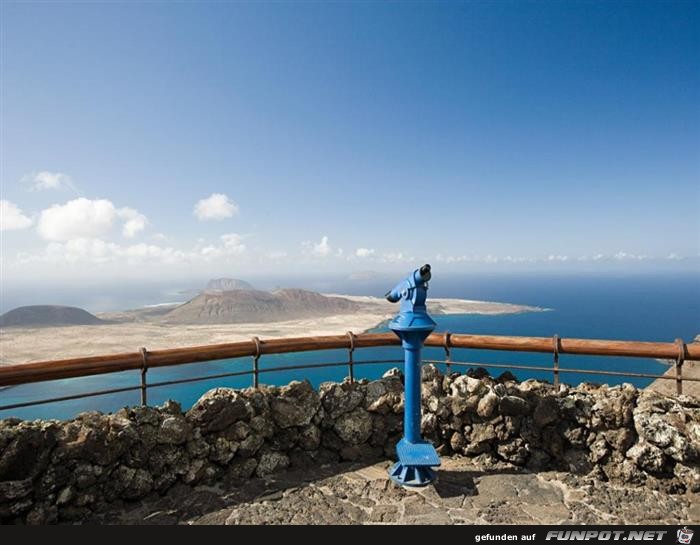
(425, 272)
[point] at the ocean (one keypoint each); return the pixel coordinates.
(621, 306)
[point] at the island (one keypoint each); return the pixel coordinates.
(216, 316)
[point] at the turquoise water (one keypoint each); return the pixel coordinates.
(653, 308)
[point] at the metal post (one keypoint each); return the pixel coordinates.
(256, 359)
(448, 354)
(412, 401)
(679, 366)
(556, 341)
(144, 370)
(351, 371)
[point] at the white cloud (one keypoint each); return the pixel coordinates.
(624, 256)
(39, 181)
(322, 248)
(364, 252)
(135, 221)
(518, 259)
(395, 257)
(82, 249)
(78, 218)
(552, 258)
(96, 251)
(75, 219)
(137, 253)
(480, 259)
(86, 218)
(215, 207)
(594, 257)
(12, 218)
(453, 258)
(231, 245)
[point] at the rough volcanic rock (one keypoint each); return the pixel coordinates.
(354, 427)
(648, 457)
(513, 406)
(270, 462)
(464, 386)
(385, 395)
(174, 430)
(339, 399)
(487, 405)
(26, 452)
(546, 412)
(218, 409)
(296, 405)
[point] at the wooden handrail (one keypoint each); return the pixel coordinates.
(112, 363)
(589, 347)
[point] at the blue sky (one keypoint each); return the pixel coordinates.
(348, 136)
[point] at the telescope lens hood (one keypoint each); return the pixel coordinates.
(425, 272)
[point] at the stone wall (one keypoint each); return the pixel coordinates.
(61, 471)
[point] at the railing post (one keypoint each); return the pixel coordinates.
(144, 370)
(351, 349)
(256, 359)
(679, 366)
(448, 355)
(556, 340)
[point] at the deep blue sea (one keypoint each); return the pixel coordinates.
(635, 307)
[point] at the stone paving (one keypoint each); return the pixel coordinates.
(465, 493)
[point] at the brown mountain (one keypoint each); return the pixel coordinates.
(48, 315)
(241, 306)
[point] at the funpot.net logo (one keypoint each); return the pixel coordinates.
(612, 535)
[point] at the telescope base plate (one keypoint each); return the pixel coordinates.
(412, 476)
(415, 465)
(417, 454)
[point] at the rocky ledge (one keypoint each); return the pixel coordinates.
(53, 471)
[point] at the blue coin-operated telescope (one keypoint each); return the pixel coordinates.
(416, 456)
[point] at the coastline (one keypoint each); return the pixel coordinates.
(130, 330)
(127, 331)
(691, 369)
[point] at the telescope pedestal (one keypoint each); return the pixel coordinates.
(416, 456)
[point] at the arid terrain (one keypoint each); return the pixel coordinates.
(128, 330)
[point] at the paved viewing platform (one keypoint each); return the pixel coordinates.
(465, 493)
